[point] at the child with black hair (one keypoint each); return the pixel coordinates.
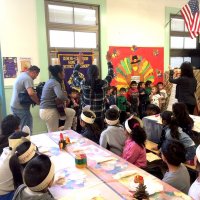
(110, 99)
(155, 97)
(9, 125)
(133, 97)
(6, 177)
(183, 118)
(143, 97)
(194, 190)
(23, 154)
(113, 138)
(90, 128)
(148, 89)
(36, 184)
(152, 110)
(173, 154)
(134, 149)
(173, 131)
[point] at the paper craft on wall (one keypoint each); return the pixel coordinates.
(137, 63)
(25, 63)
(10, 67)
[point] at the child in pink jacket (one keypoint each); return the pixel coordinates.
(134, 150)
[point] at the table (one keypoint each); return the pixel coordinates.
(97, 180)
(153, 126)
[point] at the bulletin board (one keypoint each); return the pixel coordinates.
(137, 63)
(68, 61)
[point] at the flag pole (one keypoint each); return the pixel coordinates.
(171, 18)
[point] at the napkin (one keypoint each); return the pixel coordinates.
(152, 157)
(104, 159)
(124, 174)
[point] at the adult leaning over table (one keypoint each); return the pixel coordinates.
(186, 86)
(53, 101)
(93, 88)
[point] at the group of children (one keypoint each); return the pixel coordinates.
(128, 141)
(24, 172)
(137, 97)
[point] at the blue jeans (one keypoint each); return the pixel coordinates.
(25, 117)
(8, 196)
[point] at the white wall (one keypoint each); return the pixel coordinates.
(18, 32)
(138, 22)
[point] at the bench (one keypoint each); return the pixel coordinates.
(150, 145)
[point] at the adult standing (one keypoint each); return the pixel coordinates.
(24, 82)
(186, 86)
(52, 94)
(93, 88)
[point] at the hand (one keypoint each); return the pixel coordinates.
(80, 59)
(169, 67)
(108, 56)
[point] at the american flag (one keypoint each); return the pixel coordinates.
(190, 13)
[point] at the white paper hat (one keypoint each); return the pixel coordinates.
(89, 120)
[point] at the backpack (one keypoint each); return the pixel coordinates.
(39, 89)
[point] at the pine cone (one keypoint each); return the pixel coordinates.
(141, 192)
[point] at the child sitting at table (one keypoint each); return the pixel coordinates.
(134, 149)
(155, 97)
(152, 110)
(9, 125)
(38, 177)
(6, 177)
(113, 138)
(23, 154)
(173, 154)
(90, 128)
(194, 190)
(183, 118)
(173, 131)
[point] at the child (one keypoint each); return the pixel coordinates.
(182, 117)
(113, 138)
(155, 97)
(152, 110)
(172, 131)
(194, 191)
(38, 177)
(142, 98)
(133, 97)
(122, 104)
(163, 94)
(74, 104)
(23, 154)
(110, 99)
(134, 149)
(148, 89)
(9, 125)
(6, 178)
(90, 128)
(173, 154)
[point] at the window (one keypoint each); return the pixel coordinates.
(182, 47)
(72, 27)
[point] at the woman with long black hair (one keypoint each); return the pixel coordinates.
(186, 86)
(94, 89)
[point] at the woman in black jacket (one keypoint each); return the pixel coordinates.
(186, 86)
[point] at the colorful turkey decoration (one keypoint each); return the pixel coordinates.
(142, 62)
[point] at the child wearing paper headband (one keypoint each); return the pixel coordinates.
(134, 149)
(6, 177)
(112, 138)
(194, 190)
(90, 128)
(23, 154)
(38, 177)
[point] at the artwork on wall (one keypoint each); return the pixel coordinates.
(10, 67)
(68, 61)
(137, 63)
(25, 63)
